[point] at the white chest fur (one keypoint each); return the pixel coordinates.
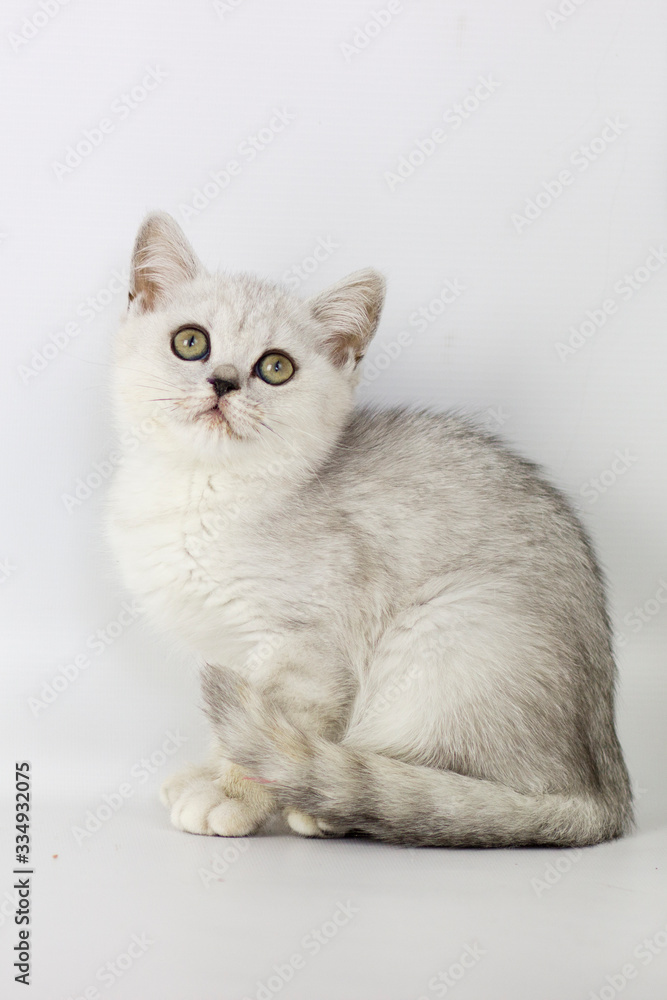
(180, 541)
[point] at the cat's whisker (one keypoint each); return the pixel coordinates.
(156, 384)
(128, 368)
(263, 423)
(90, 361)
(307, 464)
(317, 437)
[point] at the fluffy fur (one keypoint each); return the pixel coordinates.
(404, 624)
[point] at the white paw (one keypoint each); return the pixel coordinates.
(199, 804)
(307, 826)
(303, 824)
(209, 811)
(174, 786)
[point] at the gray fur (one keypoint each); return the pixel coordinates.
(541, 766)
(404, 623)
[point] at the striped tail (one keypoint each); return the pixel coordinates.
(346, 789)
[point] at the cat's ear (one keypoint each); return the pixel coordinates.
(161, 260)
(350, 312)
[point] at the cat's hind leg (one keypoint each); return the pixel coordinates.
(524, 777)
(307, 826)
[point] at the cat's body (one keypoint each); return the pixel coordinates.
(404, 624)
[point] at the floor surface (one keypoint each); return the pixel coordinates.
(135, 909)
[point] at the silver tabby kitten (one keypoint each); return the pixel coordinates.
(404, 626)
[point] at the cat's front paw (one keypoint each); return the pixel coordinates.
(198, 803)
(174, 786)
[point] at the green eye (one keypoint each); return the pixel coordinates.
(191, 344)
(274, 368)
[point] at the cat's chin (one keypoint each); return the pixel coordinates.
(214, 420)
(211, 439)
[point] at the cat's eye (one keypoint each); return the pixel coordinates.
(191, 343)
(274, 368)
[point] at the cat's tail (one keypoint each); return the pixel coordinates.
(341, 788)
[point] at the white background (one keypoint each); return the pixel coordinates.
(492, 352)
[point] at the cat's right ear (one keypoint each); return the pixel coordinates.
(162, 259)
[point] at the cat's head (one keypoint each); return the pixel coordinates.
(233, 369)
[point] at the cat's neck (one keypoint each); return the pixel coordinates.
(188, 481)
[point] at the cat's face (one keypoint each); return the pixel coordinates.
(232, 369)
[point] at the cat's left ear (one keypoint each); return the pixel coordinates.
(350, 312)
(162, 259)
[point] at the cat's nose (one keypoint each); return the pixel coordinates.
(223, 385)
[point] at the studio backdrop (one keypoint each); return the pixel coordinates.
(503, 166)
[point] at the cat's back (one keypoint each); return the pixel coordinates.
(422, 457)
(434, 483)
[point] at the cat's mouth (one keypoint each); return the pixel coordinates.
(214, 418)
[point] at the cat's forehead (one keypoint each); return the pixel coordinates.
(243, 309)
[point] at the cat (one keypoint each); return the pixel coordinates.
(402, 624)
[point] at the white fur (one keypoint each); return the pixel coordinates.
(398, 583)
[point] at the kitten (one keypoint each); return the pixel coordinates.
(404, 626)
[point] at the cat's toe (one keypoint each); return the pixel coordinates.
(200, 805)
(234, 818)
(175, 785)
(304, 824)
(327, 828)
(190, 811)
